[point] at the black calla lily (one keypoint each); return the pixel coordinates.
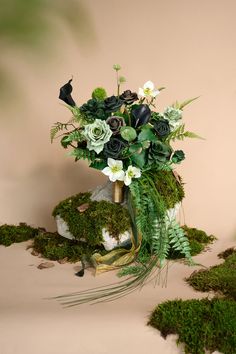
(141, 114)
(65, 94)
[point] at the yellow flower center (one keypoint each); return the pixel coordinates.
(130, 174)
(115, 169)
(147, 91)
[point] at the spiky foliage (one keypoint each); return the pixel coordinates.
(56, 128)
(83, 154)
(180, 133)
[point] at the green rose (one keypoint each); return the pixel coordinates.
(178, 156)
(97, 134)
(174, 116)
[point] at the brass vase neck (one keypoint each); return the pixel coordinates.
(118, 192)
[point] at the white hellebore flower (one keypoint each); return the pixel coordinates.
(148, 90)
(132, 172)
(114, 170)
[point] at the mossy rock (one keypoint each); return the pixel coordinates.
(198, 240)
(55, 247)
(200, 324)
(10, 234)
(88, 225)
(220, 278)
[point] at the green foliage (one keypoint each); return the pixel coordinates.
(147, 134)
(83, 154)
(200, 324)
(55, 247)
(88, 225)
(198, 240)
(178, 105)
(56, 128)
(220, 278)
(178, 240)
(12, 234)
(180, 134)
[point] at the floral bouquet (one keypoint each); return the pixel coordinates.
(128, 140)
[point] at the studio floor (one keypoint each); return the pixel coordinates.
(32, 324)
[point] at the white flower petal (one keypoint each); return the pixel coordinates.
(127, 180)
(119, 175)
(155, 93)
(119, 164)
(106, 171)
(141, 92)
(111, 162)
(149, 85)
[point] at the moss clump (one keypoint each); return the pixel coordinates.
(228, 252)
(200, 324)
(198, 240)
(220, 278)
(88, 225)
(55, 247)
(169, 188)
(11, 233)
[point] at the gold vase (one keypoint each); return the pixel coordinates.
(118, 192)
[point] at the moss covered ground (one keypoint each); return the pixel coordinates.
(16, 233)
(220, 278)
(204, 324)
(200, 324)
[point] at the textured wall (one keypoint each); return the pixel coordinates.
(187, 46)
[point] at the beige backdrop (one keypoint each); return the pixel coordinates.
(188, 46)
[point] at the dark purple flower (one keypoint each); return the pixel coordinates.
(129, 97)
(112, 104)
(65, 94)
(115, 123)
(141, 114)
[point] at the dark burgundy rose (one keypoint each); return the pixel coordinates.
(65, 94)
(162, 128)
(114, 147)
(129, 97)
(141, 114)
(112, 104)
(115, 124)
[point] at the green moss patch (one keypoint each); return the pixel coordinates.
(169, 188)
(12, 234)
(198, 240)
(88, 225)
(220, 278)
(55, 247)
(200, 324)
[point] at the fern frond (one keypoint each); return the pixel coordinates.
(56, 128)
(180, 134)
(83, 154)
(179, 240)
